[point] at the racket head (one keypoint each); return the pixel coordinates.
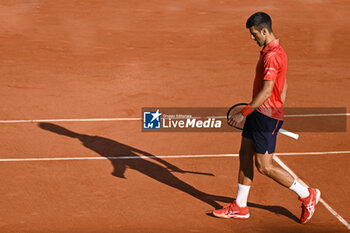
(235, 109)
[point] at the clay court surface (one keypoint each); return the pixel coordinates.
(108, 59)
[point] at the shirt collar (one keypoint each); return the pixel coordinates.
(270, 45)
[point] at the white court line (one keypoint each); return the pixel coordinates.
(330, 209)
(318, 115)
(297, 115)
(160, 156)
(138, 118)
(70, 120)
(314, 153)
(118, 157)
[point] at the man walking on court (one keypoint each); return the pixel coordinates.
(264, 117)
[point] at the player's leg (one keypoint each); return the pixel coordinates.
(246, 171)
(246, 168)
(264, 164)
(245, 176)
(265, 136)
(265, 143)
(238, 209)
(309, 197)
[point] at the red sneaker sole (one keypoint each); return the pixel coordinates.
(232, 216)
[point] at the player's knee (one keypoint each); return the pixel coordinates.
(263, 168)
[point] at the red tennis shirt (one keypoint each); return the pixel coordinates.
(272, 65)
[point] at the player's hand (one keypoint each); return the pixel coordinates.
(235, 119)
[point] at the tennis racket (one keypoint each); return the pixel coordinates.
(238, 107)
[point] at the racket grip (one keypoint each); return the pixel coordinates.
(289, 134)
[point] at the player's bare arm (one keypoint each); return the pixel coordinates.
(264, 94)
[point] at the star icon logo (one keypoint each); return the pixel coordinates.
(151, 119)
(156, 115)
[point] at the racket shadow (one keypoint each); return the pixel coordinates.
(118, 154)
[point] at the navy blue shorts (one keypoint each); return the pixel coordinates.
(263, 131)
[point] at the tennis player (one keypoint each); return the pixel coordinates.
(264, 117)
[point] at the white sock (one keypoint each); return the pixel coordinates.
(242, 195)
(299, 189)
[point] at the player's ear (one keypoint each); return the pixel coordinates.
(264, 31)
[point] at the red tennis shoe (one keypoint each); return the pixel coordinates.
(308, 205)
(232, 210)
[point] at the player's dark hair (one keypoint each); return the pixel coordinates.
(260, 20)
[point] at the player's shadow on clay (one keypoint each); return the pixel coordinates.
(119, 155)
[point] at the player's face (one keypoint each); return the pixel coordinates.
(258, 36)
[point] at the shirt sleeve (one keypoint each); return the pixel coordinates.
(270, 68)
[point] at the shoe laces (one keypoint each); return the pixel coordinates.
(228, 207)
(310, 207)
